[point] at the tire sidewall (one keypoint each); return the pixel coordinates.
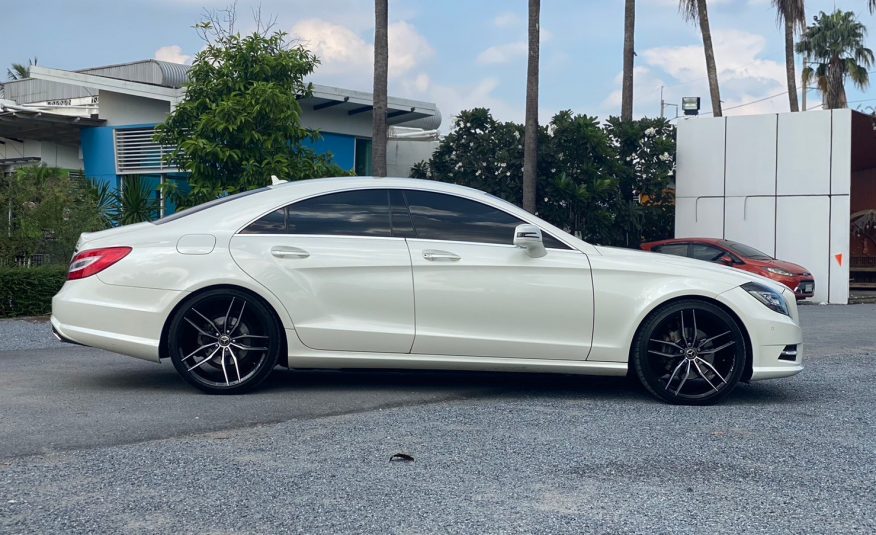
(266, 367)
(640, 362)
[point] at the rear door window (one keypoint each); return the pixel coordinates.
(677, 249)
(347, 213)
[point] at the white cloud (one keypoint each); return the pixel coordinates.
(744, 75)
(508, 52)
(503, 53)
(173, 54)
(507, 20)
(646, 94)
(346, 58)
(407, 48)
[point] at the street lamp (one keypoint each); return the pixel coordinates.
(690, 105)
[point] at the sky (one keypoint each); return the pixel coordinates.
(458, 54)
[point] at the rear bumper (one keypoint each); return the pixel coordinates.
(116, 318)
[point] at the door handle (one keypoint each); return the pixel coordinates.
(289, 252)
(435, 255)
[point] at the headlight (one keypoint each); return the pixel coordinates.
(781, 272)
(769, 297)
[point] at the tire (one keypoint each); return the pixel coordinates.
(224, 341)
(689, 352)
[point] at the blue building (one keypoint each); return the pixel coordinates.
(101, 121)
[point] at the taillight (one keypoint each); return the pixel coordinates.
(87, 263)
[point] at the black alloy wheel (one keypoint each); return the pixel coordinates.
(689, 352)
(224, 341)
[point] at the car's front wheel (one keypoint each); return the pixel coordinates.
(224, 341)
(689, 352)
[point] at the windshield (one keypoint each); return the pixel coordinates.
(747, 252)
(206, 205)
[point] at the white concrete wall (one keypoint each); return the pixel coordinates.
(778, 182)
(402, 154)
(337, 121)
(119, 109)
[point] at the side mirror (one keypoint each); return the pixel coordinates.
(726, 260)
(529, 237)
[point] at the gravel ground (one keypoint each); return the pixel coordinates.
(28, 333)
(788, 456)
(527, 455)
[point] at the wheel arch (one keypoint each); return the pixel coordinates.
(749, 350)
(162, 343)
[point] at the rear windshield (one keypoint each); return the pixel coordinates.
(746, 251)
(206, 205)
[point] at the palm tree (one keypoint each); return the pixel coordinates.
(530, 133)
(381, 68)
(792, 14)
(835, 44)
(19, 71)
(697, 11)
(629, 53)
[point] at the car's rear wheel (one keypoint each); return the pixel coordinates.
(689, 352)
(224, 341)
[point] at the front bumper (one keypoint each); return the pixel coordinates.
(770, 333)
(121, 319)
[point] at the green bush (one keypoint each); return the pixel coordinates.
(29, 291)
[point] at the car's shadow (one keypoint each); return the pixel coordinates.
(282, 381)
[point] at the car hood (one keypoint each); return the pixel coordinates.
(694, 268)
(796, 269)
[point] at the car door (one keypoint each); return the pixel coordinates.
(332, 260)
(477, 294)
(708, 253)
(676, 249)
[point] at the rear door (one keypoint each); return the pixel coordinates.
(332, 260)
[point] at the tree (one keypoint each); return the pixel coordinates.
(629, 59)
(19, 71)
(835, 45)
(47, 209)
(607, 184)
(697, 11)
(240, 121)
(381, 69)
(792, 15)
(530, 136)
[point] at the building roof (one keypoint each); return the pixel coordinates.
(165, 81)
(19, 123)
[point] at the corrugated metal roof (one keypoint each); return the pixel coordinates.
(150, 71)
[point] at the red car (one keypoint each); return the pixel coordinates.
(740, 256)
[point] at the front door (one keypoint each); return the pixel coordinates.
(332, 261)
(476, 294)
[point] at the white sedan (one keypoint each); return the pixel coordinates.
(411, 274)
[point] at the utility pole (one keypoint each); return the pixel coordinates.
(662, 107)
(805, 89)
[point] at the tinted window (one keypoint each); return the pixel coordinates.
(677, 249)
(748, 252)
(437, 216)
(273, 223)
(706, 252)
(349, 213)
(400, 218)
(552, 243)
